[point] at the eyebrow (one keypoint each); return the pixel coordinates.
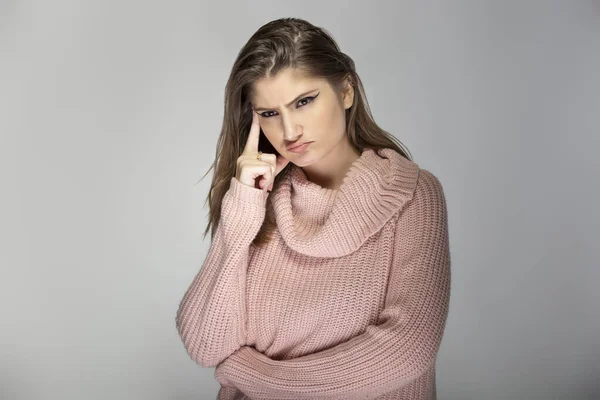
(288, 104)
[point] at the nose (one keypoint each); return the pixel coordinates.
(290, 128)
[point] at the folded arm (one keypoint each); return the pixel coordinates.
(389, 354)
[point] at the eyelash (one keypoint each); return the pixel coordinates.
(311, 98)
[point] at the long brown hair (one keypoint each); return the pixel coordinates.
(280, 44)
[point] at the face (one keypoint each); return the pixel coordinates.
(293, 107)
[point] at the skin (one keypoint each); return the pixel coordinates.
(321, 120)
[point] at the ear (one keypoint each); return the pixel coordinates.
(348, 95)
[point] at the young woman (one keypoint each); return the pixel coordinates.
(328, 275)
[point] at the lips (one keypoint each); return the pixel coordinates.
(292, 147)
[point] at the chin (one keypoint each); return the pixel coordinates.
(303, 162)
(302, 159)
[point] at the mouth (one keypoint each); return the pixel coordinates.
(297, 145)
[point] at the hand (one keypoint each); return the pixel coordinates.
(255, 173)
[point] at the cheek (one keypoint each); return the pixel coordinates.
(320, 118)
(268, 128)
(270, 136)
(328, 121)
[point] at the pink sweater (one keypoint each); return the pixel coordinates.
(348, 301)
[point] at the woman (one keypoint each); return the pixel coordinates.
(328, 275)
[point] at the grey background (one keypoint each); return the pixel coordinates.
(110, 112)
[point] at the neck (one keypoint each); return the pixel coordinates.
(330, 170)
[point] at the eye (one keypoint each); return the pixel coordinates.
(308, 100)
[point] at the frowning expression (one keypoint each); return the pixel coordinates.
(294, 107)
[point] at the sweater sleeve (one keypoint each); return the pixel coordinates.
(389, 354)
(211, 318)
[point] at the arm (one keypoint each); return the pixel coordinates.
(211, 318)
(389, 354)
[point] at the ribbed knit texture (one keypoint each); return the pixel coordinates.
(349, 300)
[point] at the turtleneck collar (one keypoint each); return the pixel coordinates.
(322, 222)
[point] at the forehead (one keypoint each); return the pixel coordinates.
(283, 87)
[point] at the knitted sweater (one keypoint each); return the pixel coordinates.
(349, 300)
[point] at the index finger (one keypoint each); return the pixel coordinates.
(253, 136)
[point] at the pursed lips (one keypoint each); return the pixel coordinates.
(297, 145)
